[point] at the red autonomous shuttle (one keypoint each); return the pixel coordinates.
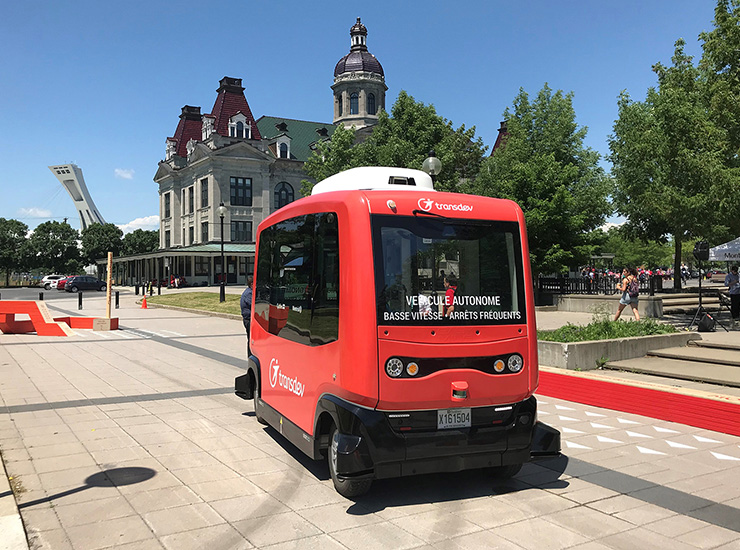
(394, 330)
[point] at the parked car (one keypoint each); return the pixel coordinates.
(50, 281)
(62, 282)
(84, 282)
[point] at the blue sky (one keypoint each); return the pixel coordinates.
(101, 84)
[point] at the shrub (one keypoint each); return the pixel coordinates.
(605, 329)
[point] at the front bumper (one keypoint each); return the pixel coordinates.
(385, 445)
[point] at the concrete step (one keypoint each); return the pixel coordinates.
(683, 370)
(716, 345)
(717, 356)
(689, 301)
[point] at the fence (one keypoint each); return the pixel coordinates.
(598, 285)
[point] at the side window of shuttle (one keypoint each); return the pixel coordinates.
(297, 284)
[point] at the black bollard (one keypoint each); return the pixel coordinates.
(79, 300)
(136, 289)
(41, 296)
(116, 299)
(159, 288)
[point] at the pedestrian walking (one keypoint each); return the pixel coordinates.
(245, 303)
(733, 285)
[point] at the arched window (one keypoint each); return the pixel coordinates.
(371, 104)
(354, 104)
(339, 100)
(283, 150)
(240, 129)
(284, 194)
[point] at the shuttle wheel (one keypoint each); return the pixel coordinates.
(346, 487)
(506, 472)
(257, 416)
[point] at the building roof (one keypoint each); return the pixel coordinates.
(302, 133)
(230, 101)
(358, 59)
(189, 127)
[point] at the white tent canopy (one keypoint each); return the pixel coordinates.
(728, 252)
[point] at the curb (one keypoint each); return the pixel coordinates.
(13, 534)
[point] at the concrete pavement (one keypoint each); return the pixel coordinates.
(134, 439)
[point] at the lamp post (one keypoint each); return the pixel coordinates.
(432, 166)
(221, 211)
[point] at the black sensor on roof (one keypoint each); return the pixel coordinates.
(395, 180)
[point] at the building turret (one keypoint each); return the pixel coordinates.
(359, 83)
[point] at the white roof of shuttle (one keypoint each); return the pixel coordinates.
(376, 177)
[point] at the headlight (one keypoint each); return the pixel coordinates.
(394, 367)
(515, 363)
(412, 368)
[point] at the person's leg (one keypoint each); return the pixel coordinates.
(635, 312)
(735, 307)
(619, 311)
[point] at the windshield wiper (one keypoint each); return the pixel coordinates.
(425, 213)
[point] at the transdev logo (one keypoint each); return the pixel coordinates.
(427, 205)
(279, 379)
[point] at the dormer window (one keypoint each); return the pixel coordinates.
(171, 149)
(283, 150)
(208, 127)
(239, 126)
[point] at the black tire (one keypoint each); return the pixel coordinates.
(47, 286)
(256, 397)
(102, 288)
(507, 472)
(74, 289)
(348, 488)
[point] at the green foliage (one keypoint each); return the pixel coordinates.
(140, 241)
(632, 251)
(605, 329)
(720, 68)
(14, 250)
(54, 248)
(402, 138)
(668, 158)
(556, 180)
(99, 239)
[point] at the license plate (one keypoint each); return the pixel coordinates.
(453, 418)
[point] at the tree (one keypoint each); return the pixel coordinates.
(54, 247)
(667, 156)
(140, 241)
(544, 166)
(632, 252)
(720, 67)
(14, 251)
(98, 239)
(402, 138)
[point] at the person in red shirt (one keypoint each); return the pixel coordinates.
(450, 288)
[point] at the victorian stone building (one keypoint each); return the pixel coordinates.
(251, 166)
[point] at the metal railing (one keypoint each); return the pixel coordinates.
(598, 285)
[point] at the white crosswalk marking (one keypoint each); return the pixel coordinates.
(568, 418)
(702, 439)
(100, 334)
(635, 434)
(572, 445)
(602, 426)
(625, 421)
(595, 415)
(724, 457)
(603, 439)
(679, 445)
(645, 451)
(171, 332)
(571, 431)
(562, 408)
(665, 430)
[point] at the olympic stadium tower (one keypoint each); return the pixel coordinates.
(70, 176)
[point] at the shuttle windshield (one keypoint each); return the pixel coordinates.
(435, 270)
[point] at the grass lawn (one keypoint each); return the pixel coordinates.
(605, 329)
(203, 301)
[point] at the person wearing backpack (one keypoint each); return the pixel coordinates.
(630, 288)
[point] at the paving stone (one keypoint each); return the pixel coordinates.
(183, 518)
(537, 533)
(249, 507)
(115, 532)
(377, 537)
(216, 537)
(161, 499)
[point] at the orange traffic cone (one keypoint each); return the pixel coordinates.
(143, 303)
